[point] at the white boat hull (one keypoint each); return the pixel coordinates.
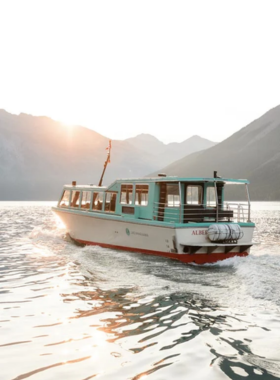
(188, 243)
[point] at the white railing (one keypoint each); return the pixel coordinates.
(241, 211)
(228, 212)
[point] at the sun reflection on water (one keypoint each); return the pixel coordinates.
(75, 313)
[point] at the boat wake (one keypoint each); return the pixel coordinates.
(240, 282)
(247, 283)
(47, 236)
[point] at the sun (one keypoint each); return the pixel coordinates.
(67, 125)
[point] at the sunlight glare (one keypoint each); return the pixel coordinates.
(68, 126)
(59, 224)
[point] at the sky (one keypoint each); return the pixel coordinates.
(172, 69)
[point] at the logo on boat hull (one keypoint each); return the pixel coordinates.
(127, 231)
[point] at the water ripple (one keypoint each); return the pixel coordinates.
(120, 315)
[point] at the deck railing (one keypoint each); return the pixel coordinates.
(233, 212)
(164, 213)
(241, 211)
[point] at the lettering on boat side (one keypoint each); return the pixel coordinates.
(139, 233)
(199, 232)
(135, 233)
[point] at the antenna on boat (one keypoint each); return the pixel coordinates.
(106, 162)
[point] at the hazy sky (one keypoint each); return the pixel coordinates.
(169, 68)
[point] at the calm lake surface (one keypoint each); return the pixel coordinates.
(68, 312)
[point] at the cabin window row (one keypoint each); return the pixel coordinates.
(88, 200)
(170, 195)
(141, 194)
(84, 199)
(194, 195)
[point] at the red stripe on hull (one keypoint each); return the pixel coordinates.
(196, 258)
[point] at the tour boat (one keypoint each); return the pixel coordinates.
(186, 219)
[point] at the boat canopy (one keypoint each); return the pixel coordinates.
(184, 179)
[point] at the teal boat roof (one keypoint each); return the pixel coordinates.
(160, 179)
(183, 179)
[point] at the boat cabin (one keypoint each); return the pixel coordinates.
(162, 199)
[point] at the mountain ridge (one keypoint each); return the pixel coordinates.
(171, 151)
(245, 154)
(39, 155)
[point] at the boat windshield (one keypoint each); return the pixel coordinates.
(64, 202)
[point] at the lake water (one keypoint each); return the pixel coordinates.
(68, 312)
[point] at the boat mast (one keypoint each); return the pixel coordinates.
(106, 162)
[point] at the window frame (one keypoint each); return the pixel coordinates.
(78, 198)
(199, 194)
(136, 197)
(110, 202)
(209, 205)
(100, 194)
(62, 198)
(90, 199)
(127, 194)
(172, 204)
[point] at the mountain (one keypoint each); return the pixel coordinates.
(147, 143)
(252, 153)
(38, 155)
(166, 153)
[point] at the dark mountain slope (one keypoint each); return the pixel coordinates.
(253, 153)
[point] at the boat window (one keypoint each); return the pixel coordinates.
(126, 194)
(65, 199)
(194, 195)
(141, 195)
(75, 198)
(172, 195)
(210, 197)
(86, 197)
(97, 202)
(110, 205)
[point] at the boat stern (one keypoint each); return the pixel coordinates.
(214, 242)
